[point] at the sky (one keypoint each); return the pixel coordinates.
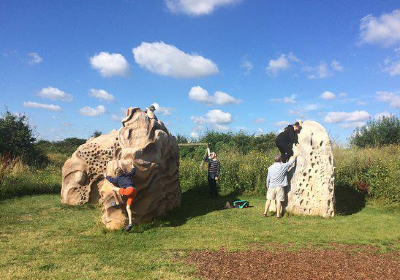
(73, 67)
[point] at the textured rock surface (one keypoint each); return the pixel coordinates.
(311, 190)
(143, 141)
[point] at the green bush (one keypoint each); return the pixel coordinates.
(17, 140)
(377, 132)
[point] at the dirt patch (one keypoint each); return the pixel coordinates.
(342, 262)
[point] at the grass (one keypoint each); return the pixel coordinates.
(42, 239)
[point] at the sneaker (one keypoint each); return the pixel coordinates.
(113, 204)
(129, 227)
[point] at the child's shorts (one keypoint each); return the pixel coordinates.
(130, 192)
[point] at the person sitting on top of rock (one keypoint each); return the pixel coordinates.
(276, 183)
(150, 112)
(285, 140)
(125, 187)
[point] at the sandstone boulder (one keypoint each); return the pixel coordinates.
(311, 189)
(142, 141)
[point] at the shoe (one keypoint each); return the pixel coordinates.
(128, 227)
(278, 217)
(113, 204)
(265, 215)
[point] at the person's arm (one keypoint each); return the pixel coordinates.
(289, 164)
(205, 158)
(132, 172)
(112, 180)
(268, 180)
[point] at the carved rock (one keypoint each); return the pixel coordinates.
(143, 141)
(311, 189)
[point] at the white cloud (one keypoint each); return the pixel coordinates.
(260, 120)
(328, 95)
(352, 124)
(342, 94)
(219, 98)
(168, 60)
(336, 66)
(381, 115)
(323, 70)
(213, 117)
(260, 131)
(246, 65)
(35, 58)
(282, 123)
(351, 117)
(384, 30)
(197, 7)
(392, 67)
(101, 94)
(291, 99)
(283, 62)
(361, 103)
(50, 107)
(165, 111)
(390, 97)
(54, 94)
(194, 135)
(110, 64)
(93, 112)
(115, 118)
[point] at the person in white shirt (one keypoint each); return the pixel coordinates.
(276, 183)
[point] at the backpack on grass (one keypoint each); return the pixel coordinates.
(240, 204)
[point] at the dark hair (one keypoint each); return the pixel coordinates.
(119, 171)
(297, 124)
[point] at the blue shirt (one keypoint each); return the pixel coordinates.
(277, 174)
(124, 180)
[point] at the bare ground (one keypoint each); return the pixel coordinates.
(338, 262)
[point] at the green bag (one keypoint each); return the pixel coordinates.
(241, 204)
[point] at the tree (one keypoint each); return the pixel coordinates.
(96, 133)
(17, 139)
(378, 132)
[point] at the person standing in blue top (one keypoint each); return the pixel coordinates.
(126, 187)
(213, 173)
(276, 183)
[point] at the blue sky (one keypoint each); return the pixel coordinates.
(74, 66)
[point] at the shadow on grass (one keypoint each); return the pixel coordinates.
(348, 200)
(195, 203)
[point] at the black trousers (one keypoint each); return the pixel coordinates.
(212, 183)
(286, 150)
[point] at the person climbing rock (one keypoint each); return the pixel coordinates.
(126, 188)
(286, 139)
(276, 183)
(150, 112)
(213, 173)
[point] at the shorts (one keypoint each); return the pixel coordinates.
(276, 193)
(130, 192)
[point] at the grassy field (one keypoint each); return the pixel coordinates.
(42, 239)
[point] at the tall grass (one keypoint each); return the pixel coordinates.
(18, 179)
(370, 173)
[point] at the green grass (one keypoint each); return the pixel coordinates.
(42, 239)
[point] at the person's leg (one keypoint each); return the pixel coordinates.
(267, 204)
(215, 189)
(278, 208)
(128, 210)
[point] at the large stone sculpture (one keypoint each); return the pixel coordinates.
(311, 189)
(143, 141)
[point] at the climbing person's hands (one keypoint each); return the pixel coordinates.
(216, 178)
